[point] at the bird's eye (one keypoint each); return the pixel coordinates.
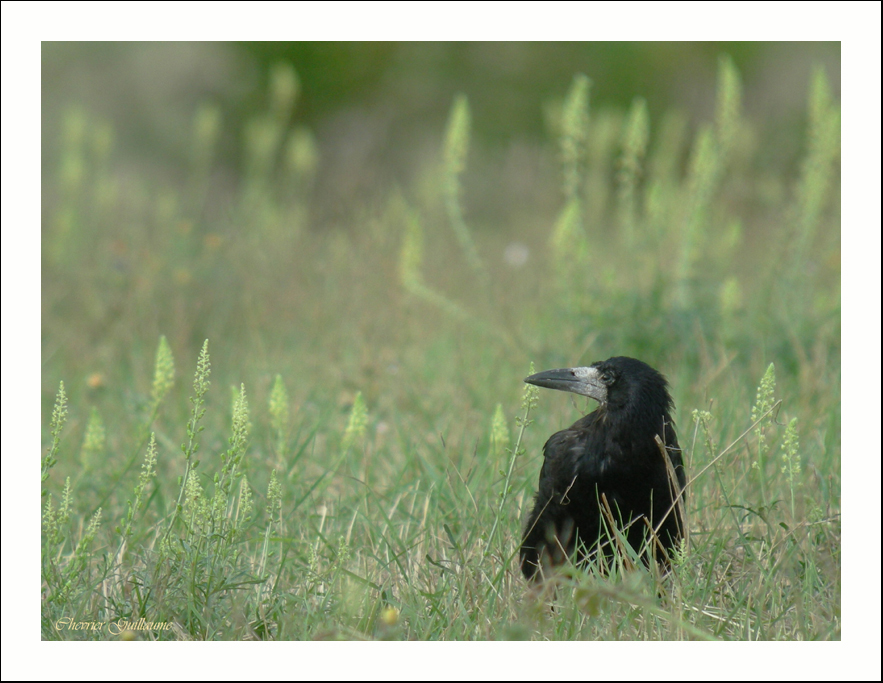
(606, 377)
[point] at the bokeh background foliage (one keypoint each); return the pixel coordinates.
(377, 240)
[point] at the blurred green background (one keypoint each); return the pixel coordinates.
(375, 107)
(417, 222)
(125, 118)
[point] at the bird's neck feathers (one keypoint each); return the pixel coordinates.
(641, 415)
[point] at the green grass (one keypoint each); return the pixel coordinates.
(355, 453)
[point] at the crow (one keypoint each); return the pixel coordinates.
(606, 467)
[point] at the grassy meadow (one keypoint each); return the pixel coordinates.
(269, 419)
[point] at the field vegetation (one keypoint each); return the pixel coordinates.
(265, 418)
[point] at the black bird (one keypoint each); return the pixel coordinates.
(611, 452)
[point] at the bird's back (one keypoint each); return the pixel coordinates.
(598, 457)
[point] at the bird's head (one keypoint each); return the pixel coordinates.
(616, 383)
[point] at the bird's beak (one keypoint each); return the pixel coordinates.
(582, 381)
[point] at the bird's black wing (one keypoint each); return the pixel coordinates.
(590, 460)
(566, 499)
